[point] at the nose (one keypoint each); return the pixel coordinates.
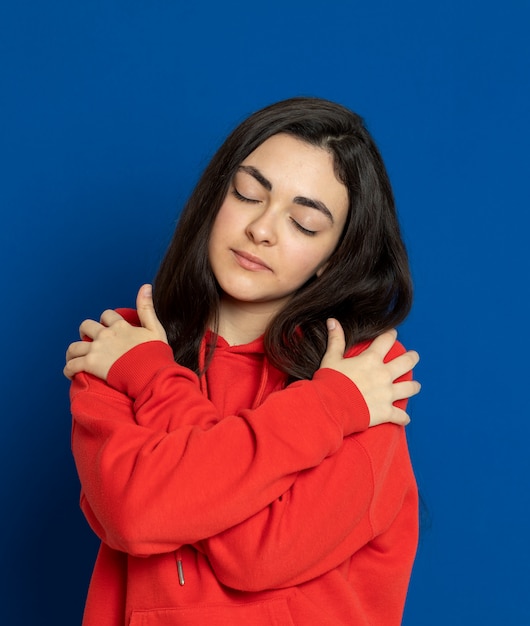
(262, 229)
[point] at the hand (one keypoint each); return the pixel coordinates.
(106, 341)
(373, 377)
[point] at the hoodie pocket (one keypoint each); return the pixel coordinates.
(267, 613)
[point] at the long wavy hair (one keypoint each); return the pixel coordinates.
(366, 283)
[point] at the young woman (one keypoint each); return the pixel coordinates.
(240, 443)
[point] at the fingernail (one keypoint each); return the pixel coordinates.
(331, 324)
(148, 291)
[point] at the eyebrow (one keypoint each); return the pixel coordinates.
(303, 201)
(257, 175)
(314, 204)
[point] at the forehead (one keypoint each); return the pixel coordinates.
(294, 165)
(289, 147)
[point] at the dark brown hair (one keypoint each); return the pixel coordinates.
(366, 284)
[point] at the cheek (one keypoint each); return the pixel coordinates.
(304, 263)
(219, 227)
(226, 222)
(319, 258)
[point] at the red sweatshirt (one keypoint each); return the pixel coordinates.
(233, 501)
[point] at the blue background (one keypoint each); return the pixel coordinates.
(109, 111)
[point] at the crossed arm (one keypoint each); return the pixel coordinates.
(155, 479)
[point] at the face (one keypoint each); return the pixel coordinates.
(279, 223)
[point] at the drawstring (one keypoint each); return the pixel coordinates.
(204, 390)
(202, 374)
(264, 379)
(263, 383)
(180, 569)
(180, 573)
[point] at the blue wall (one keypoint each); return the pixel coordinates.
(108, 112)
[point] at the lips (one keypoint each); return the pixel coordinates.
(250, 262)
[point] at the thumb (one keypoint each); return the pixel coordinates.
(146, 309)
(336, 340)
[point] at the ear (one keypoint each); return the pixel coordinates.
(321, 269)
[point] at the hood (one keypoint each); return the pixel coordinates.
(238, 377)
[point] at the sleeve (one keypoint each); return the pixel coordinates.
(327, 514)
(159, 467)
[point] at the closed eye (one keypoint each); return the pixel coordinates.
(297, 225)
(306, 231)
(242, 198)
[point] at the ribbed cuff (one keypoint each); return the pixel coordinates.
(132, 372)
(342, 398)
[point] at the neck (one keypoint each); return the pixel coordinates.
(241, 322)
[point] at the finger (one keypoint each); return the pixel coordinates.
(382, 344)
(403, 364)
(73, 367)
(89, 329)
(146, 308)
(77, 349)
(406, 389)
(399, 416)
(336, 340)
(109, 317)
(66, 372)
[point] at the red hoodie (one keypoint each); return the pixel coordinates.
(230, 500)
